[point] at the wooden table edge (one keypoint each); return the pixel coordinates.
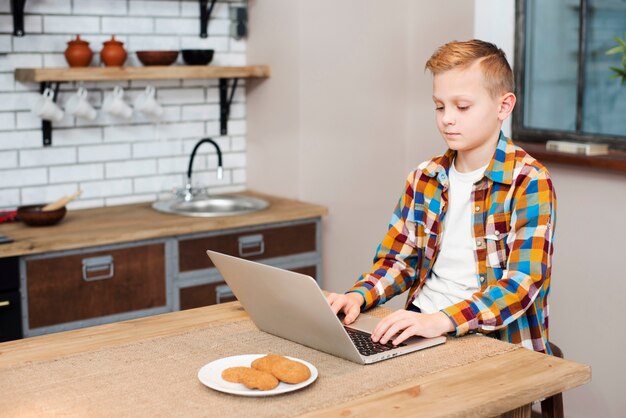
(404, 399)
(407, 399)
(83, 340)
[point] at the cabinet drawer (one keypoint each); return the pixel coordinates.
(90, 285)
(253, 245)
(205, 294)
(213, 293)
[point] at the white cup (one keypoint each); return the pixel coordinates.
(114, 104)
(77, 105)
(46, 108)
(147, 103)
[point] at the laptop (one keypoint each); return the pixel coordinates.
(292, 306)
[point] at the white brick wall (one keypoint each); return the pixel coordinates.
(42, 194)
(132, 168)
(48, 6)
(103, 153)
(127, 25)
(64, 24)
(19, 140)
(9, 197)
(156, 149)
(7, 121)
(8, 159)
(116, 161)
(157, 184)
(109, 7)
(106, 188)
(69, 173)
(49, 157)
(155, 8)
(23, 177)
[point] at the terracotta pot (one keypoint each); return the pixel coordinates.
(78, 53)
(113, 53)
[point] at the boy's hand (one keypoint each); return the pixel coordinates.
(410, 324)
(349, 304)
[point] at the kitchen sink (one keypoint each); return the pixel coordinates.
(191, 201)
(207, 206)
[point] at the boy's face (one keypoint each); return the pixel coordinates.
(468, 117)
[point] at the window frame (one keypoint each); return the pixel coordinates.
(541, 136)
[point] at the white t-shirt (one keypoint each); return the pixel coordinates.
(454, 277)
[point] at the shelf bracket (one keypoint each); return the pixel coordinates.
(225, 103)
(205, 15)
(17, 9)
(46, 125)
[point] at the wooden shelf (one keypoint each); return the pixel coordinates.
(614, 161)
(40, 75)
(54, 76)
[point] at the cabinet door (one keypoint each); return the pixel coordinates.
(10, 302)
(252, 245)
(10, 316)
(9, 274)
(213, 293)
(90, 285)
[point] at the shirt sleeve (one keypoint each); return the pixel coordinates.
(528, 264)
(395, 262)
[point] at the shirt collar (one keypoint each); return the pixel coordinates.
(499, 169)
(502, 164)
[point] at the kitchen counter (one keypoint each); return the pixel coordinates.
(479, 388)
(119, 224)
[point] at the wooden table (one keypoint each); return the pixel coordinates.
(487, 387)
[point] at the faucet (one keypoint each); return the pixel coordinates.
(188, 193)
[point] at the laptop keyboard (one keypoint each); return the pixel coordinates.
(365, 345)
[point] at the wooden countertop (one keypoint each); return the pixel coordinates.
(117, 224)
(486, 387)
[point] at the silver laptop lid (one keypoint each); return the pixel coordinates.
(286, 304)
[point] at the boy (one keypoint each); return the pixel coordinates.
(471, 237)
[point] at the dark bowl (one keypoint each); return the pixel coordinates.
(33, 215)
(157, 57)
(197, 56)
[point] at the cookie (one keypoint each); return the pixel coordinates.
(251, 378)
(256, 379)
(290, 371)
(265, 363)
(234, 374)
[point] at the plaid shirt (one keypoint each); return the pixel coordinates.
(513, 226)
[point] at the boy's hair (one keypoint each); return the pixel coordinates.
(496, 69)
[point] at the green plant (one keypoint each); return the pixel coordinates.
(619, 49)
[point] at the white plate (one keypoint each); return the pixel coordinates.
(211, 376)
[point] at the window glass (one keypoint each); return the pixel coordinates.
(604, 108)
(551, 66)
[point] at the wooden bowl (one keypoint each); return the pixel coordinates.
(33, 215)
(157, 57)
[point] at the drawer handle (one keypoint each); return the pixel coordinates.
(4, 303)
(96, 265)
(250, 245)
(223, 292)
